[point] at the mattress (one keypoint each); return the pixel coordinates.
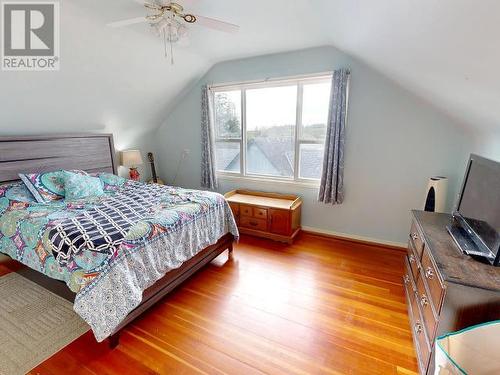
(109, 249)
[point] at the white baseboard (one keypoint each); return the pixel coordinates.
(354, 237)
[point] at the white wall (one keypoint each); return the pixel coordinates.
(108, 82)
(488, 145)
(395, 141)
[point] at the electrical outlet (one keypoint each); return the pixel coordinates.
(185, 153)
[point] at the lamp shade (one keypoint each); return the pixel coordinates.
(131, 158)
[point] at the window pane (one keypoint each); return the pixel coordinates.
(227, 114)
(227, 156)
(310, 160)
(315, 104)
(270, 129)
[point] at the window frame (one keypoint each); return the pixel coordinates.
(299, 82)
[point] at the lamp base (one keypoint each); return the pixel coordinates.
(134, 174)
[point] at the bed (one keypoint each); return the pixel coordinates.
(154, 236)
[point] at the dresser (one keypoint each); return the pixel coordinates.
(271, 215)
(445, 289)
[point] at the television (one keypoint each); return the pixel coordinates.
(476, 218)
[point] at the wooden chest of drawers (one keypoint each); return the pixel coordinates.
(445, 290)
(271, 215)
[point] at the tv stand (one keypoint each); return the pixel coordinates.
(445, 290)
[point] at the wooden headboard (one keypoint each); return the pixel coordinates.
(25, 154)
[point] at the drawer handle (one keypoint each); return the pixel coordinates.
(423, 300)
(253, 223)
(418, 328)
(412, 258)
(429, 273)
(406, 279)
(414, 236)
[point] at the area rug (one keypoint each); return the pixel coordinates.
(34, 324)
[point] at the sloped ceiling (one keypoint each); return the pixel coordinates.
(117, 80)
(446, 51)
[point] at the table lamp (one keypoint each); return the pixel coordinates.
(132, 159)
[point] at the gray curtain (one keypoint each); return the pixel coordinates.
(332, 178)
(208, 175)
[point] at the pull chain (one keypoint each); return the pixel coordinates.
(170, 37)
(165, 42)
(170, 42)
(171, 53)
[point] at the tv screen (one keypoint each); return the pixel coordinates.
(479, 201)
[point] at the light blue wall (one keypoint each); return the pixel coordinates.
(488, 145)
(395, 141)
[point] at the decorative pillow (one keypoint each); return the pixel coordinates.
(46, 187)
(111, 182)
(16, 191)
(78, 186)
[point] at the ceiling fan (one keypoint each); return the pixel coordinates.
(169, 20)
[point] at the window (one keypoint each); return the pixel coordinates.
(228, 130)
(272, 130)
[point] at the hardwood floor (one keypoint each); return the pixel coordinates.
(319, 306)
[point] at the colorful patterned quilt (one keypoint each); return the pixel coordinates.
(110, 249)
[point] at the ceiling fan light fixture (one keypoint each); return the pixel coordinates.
(173, 28)
(182, 31)
(168, 20)
(153, 17)
(161, 24)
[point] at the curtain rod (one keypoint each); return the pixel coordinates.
(272, 79)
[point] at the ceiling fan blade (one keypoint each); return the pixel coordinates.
(150, 4)
(185, 3)
(216, 24)
(130, 21)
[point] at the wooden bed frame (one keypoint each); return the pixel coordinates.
(92, 153)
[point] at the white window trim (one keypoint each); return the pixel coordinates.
(269, 83)
(228, 176)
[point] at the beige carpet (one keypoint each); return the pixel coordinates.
(34, 324)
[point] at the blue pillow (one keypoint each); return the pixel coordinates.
(111, 182)
(48, 186)
(77, 186)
